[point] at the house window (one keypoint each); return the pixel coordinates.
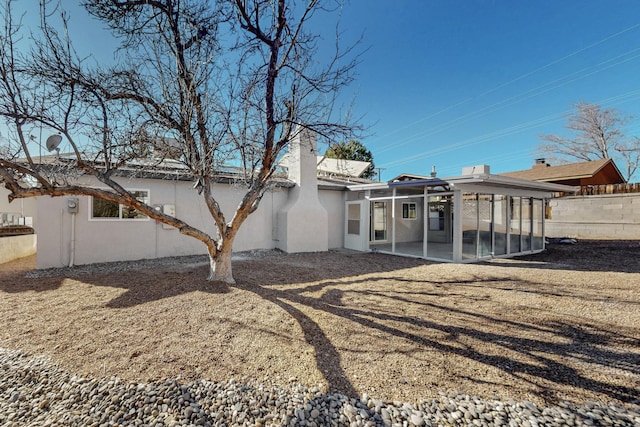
(353, 219)
(108, 210)
(379, 215)
(409, 210)
(436, 215)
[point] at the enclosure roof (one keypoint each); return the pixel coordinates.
(340, 182)
(486, 179)
(510, 182)
(418, 181)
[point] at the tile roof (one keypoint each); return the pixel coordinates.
(544, 172)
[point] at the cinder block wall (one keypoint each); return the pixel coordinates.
(14, 247)
(607, 216)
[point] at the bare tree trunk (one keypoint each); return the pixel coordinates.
(220, 264)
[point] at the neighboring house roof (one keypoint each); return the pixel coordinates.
(603, 170)
(334, 167)
(407, 177)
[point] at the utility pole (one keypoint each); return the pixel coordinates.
(379, 170)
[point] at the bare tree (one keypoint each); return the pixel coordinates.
(597, 133)
(208, 81)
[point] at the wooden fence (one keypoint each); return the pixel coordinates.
(589, 190)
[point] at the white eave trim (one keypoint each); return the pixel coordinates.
(363, 187)
(504, 181)
(493, 180)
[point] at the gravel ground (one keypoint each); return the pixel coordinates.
(550, 339)
(35, 392)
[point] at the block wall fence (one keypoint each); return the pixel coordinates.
(603, 216)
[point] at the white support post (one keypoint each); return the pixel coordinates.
(544, 223)
(393, 221)
(366, 220)
(425, 220)
(457, 226)
(508, 219)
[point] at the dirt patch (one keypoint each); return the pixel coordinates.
(563, 325)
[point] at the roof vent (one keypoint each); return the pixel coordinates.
(476, 170)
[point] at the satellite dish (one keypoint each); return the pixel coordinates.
(53, 141)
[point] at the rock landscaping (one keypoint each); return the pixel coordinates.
(35, 392)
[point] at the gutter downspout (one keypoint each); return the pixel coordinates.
(72, 248)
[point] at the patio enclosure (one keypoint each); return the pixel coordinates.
(446, 220)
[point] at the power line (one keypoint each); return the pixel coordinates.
(531, 93)
(502, 132)
(493, 107)
(379, 173)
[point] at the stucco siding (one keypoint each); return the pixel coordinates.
(294, 217)
(116, 240)
(409, 229)
(333, 202)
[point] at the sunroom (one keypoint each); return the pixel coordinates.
(466, 218)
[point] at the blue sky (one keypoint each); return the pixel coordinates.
(457, 83)
(454, 83)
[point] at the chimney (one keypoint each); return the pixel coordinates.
(303, 163)
(302, 223)
(541, 163)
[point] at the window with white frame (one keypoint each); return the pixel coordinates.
(108, 210)
(409, 210)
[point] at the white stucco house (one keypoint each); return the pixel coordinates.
(459, 219)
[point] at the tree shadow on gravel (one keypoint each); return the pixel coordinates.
(154, 284)
(160, 286)
(164, 283)
(590, 255)
(547, 352)
(548, 290)
(332, 284)
(543, 353)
